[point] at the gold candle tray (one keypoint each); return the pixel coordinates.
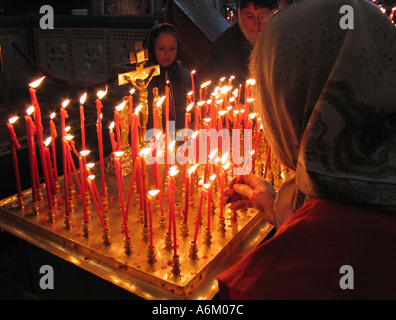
(148, 277)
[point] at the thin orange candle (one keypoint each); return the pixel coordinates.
(82, 119)
(172, 173)
(187, 193)
(118, 122)
(117, 165)
(54, 135)
(94, 194)
(64, 115)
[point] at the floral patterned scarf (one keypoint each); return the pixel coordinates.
(327, 97)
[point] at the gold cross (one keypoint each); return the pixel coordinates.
(138, 57)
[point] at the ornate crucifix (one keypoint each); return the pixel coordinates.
(140, 79)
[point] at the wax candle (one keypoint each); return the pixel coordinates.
(82, 119)
(193, 84)
(187, 194)
(99, 106)
(96, 201)
(39, 131)
(118, 122)
(112, 138)
(172, 174)
(209, 188)
(14, 144)
(166, 124)
(64, 115)
(54, 135)
(151, 195)
(142, 155)
(32, 153)
(198, 221)
(49, 164)
(82, 179)
(118, 169)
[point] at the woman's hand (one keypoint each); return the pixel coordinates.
(252, 191)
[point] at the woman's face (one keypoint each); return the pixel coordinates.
(165, 49)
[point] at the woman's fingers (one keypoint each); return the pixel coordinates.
(240, 204)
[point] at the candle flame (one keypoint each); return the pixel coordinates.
(190, 93)
(212, 154)
(225, 89)
(118, 154)
(224, 157)
(200, 103)
(67, 129)
(172, 145)
(138, 108)
(212, 177)
(192, 169)
(100, 94)
(173, 171)
(83, 98)
(222, 79)
(30, 110)
(193, 72)
(226, 166)
(12, 120)
(235, 93)
(144, 152)
(205, 84)
(36, 83)
(229, 108)
(69, 137)
(153, 193)
(111, 126)
(120, 106)
(65, 103)
(206, 186)
(84, 153)
(90, 165)
(160, 101)
(132, 91)
(252, 115)
(189, 107)
(194, 135)
(249, 100)
(222, 112)
(251, 82)
(47, 141)
(91, 177)
(207, 120)
(52, 116)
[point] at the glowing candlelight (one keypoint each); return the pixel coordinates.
(193, 84)
(112, 139)
(64, 115)
(99, 106)
(32, 152)
(187, 193)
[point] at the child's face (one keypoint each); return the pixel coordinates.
(165, 49)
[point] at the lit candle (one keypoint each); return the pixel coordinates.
(14, 144)
(99, 106)
(198, 222)
(72, 168)
(117, 165)
(112, 139)
(84, 185)
(243, 169)
(95, 201)
(166, 124)
(187, 194)
(193, 84)
(150, 196)
(172, 172)
(64, 115)
(82, 119)
(118, 123)
(49, 164)
(142, 155)
(32, 152)
(210, 191)
(39, 131)
(54, 135)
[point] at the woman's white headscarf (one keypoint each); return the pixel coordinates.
(327, 97)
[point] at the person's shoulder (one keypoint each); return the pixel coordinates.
(229, 36)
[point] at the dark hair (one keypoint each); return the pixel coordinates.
(271, 4)
(153, 34)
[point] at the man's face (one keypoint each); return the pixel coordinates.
(254, 19)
